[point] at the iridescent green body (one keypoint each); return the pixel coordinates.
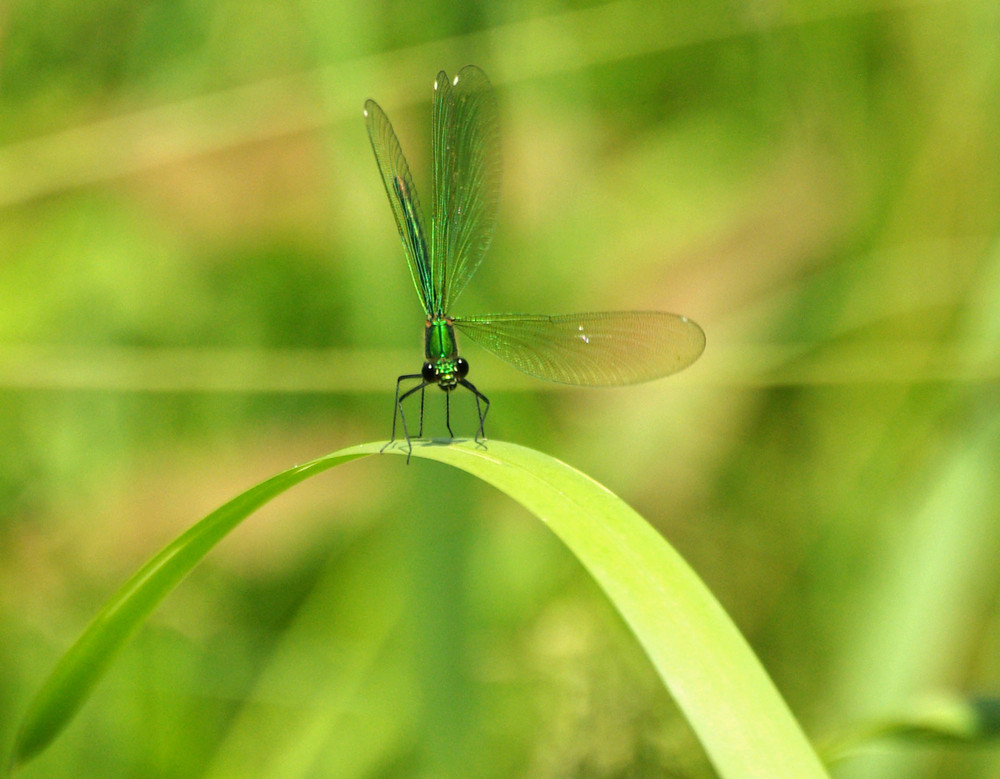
(592, 349)
(441, 351)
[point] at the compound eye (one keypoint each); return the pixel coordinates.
(461, 367)
(429, 372)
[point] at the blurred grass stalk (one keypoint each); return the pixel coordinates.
(202, 369)
(910, 624)
(929, 537)
(151, 137)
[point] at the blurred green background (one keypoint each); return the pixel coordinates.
(201, 285)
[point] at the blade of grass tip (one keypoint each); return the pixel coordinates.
(83, 665)
(715, 678)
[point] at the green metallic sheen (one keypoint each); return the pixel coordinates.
(441, 352)
(439, 340)
(595, 349)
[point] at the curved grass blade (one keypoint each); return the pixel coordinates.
(602, 349)
(718, 683)
(402, 194)
(79, 670)
(946, 719)
(465, 128)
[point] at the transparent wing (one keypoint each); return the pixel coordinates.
(596, 349)
(402, 193)
(466, 145)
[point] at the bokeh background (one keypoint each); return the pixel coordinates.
(201, 285)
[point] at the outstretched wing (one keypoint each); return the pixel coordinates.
(600, 349)
(402, 193)
(466, 145)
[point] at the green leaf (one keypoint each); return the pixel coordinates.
(741, 720)
(938, 718)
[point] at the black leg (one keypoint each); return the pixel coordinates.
(423, 392)
(447, 413)
(402, 416)
(398, 409)
(481, 433)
